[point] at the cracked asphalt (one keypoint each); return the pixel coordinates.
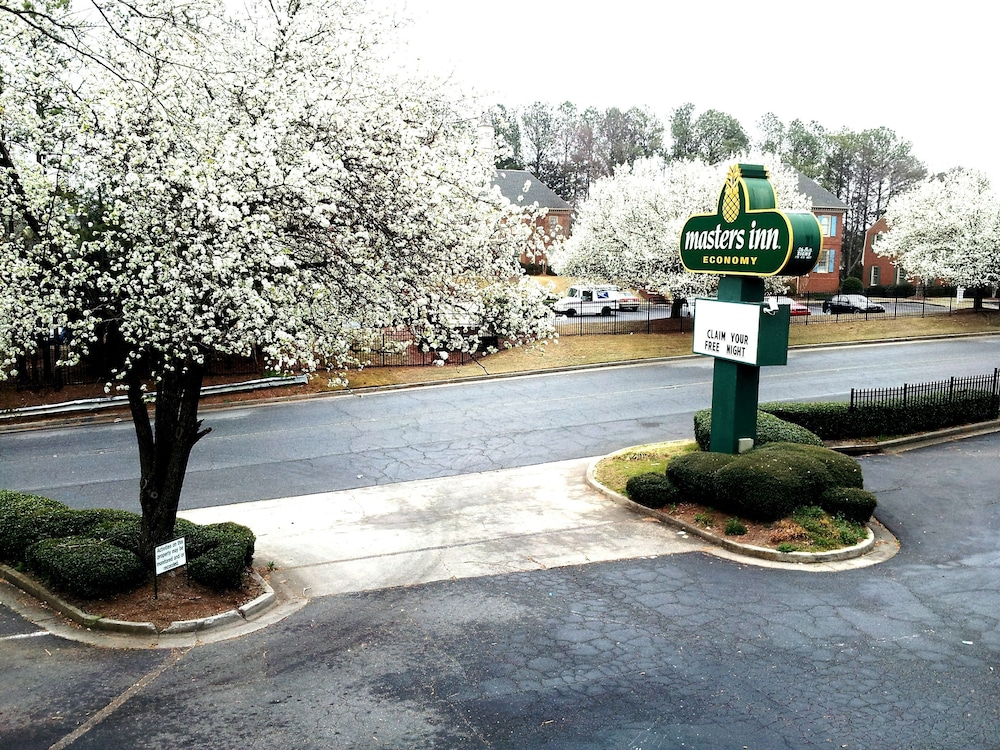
(675, 651)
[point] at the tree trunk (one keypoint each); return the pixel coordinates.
(164, 448)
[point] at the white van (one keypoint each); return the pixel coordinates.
(603, 299)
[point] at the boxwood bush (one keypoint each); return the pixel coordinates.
(770, 429)
(654, 490)
(844, 471)
(90, 568)
(852, 503)
(693, 474)
(221, 567)
(767, 485)
(26, 519)
(111, 535)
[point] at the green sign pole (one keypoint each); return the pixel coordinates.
(735, 386)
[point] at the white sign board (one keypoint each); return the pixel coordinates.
(170, 555)
(728, 330)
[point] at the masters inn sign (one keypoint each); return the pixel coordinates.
(746, 239)
(748, 235)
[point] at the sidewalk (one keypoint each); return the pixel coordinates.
(404, 534)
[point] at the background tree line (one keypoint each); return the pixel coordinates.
(569, 148)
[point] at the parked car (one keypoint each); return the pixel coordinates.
(797, 308)
(851, 303)
(595, 300)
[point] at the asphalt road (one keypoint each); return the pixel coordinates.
(678, 651)
(348, 441)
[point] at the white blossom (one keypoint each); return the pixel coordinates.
(253, 181)
(945, 228)
(628, 230)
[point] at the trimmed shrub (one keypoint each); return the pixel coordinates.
(837, 421)
(852, 503)
(219, 568)
(703, 428)
(770, 429)
(851, 285)
(236, 534)
(27, 519)
(86, 567)
(767, 485)
(122, 532)
(230, 548)
(844, 471)
(693, 474)
(654, 490)
(198, 539)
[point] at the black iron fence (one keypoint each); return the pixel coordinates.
(398, 348)
(44, 368)
(882, 304)
(940, 392)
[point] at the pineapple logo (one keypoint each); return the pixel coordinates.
(731, 195)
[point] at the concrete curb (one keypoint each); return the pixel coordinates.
(246, 612)
(742, 550)
(121, 402)
(922, 440)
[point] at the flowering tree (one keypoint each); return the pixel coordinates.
(946, 228)
(179, 181)
(628, 230)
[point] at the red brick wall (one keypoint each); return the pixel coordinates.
(887, 269)
(821, 281)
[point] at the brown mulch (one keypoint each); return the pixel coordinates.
(177, 599)
(758, 534)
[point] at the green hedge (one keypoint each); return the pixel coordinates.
(896, 291)
(34, 530)
(654, 490)
(221, 567)
(837, 421)
(90, 568)
(693, 474)
(26, 519)
(230, 549)
(852, 503)
(768, 485)
(844, 471)
(770, 429)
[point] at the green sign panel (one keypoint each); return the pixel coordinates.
(748, 235)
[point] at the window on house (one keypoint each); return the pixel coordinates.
(826, 262)
(554, 226)
(876, 275)
(828, 223)
(900, 276)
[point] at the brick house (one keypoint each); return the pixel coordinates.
(830, 210)
(875, 269)
(522, 188)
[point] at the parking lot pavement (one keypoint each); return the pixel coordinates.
(653, 651)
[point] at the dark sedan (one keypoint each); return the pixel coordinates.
(851, 303)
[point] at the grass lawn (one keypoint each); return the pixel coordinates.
(569, 351)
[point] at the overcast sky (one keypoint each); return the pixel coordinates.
(929, 75)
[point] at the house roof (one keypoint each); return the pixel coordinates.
(821, 197)
(522, 188)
